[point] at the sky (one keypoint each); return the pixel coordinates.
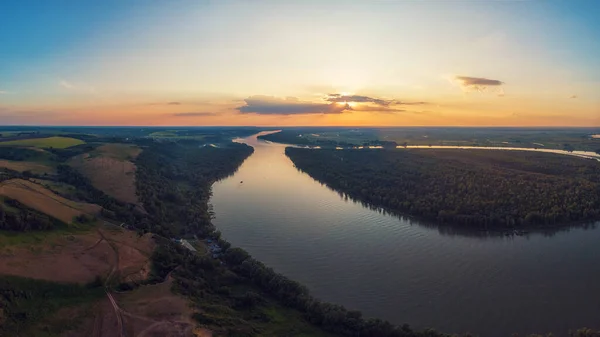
(300, 62)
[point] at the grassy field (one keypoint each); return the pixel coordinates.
(56, 142)
(66, 190)
(43, 200)
(34, 238)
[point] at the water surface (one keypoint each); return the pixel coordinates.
(403, 271)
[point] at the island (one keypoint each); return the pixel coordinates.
(482, 189)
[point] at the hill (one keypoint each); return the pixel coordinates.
(45, 201)
(111, 170)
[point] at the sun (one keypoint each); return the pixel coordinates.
(350, 104)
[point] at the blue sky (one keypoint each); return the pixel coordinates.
(103, 62)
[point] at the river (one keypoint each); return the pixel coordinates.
(401, 270)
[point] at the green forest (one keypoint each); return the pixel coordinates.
(472, 188)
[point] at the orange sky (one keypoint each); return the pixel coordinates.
(457, 63)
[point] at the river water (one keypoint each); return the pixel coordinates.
(401, 270)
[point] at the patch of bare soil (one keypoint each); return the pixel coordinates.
(154, 310)
(80, 258)
(101, 322)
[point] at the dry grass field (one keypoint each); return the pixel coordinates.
(80, 257)
(21, 166)
(43, 200)
(149, 311)
(110, 170)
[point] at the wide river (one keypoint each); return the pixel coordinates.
(401, 270)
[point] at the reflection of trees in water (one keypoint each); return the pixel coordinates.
(454, 230)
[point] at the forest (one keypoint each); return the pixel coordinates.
(174, 182)
(472, 188)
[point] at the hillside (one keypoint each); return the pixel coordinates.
(110, 169)
(45, 201)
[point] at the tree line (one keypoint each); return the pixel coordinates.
(473, 188)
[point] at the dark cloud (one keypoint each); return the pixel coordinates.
(479, 84)
(477, 81)
(194, 114)
(268, 105)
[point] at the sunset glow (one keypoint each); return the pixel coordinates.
(396, 63)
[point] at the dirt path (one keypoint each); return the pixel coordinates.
(113, 269)
(117, 313)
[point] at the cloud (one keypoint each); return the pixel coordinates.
(174, 103)
(4, 92)
(477, 81)
(573, 96)
(478, 84)
(77, 87)
(269, 105)
(194, 114)
(339, 98)
(409, 103)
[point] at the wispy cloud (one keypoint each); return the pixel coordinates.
(573, 96)
(269, 105)
(194, 114)
(4, 92)
(174, 103)
(77, 87)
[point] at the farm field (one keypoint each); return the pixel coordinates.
(21, 166)
(110, 170)
(65, 268)
(56, 142)
(78, 257)
(41, 199)
(118, 151)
